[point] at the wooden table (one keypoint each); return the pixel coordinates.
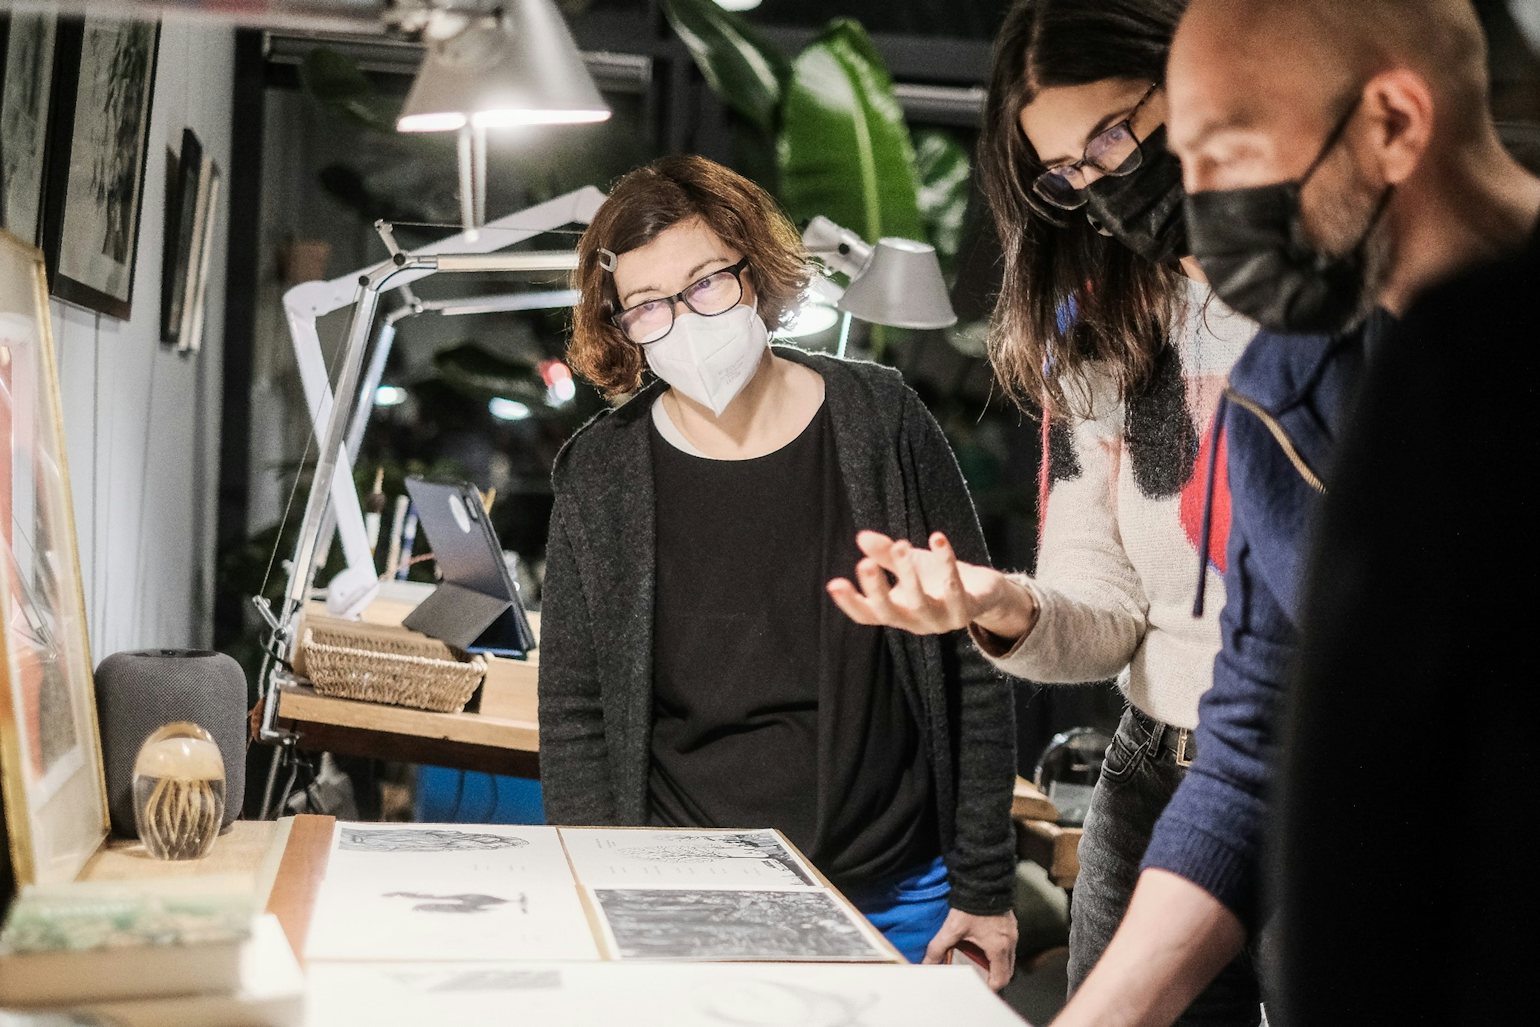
(1040, 838)
(283, 859)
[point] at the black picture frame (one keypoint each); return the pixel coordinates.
(178, 282)
(28, 47)
(104, 86)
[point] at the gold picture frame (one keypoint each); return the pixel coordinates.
(51, 775)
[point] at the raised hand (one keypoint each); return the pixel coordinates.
(931, 591)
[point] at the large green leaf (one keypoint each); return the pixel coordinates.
(741, 67)
(943, 169)
(844, 149)
(471, 368)
(334, 79)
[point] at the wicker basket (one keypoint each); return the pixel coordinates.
(402, 670)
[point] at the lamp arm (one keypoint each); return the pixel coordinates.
(332, 457)
(842, 249)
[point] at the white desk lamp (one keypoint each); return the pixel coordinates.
(332, 487)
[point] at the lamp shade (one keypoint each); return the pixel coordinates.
(901, 286)
(520, 69)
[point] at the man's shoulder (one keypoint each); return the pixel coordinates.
(1496, 297)
(1278, 370)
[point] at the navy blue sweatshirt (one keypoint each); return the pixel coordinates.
(1287, 401)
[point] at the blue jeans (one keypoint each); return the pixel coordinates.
(908, 909)
(1137, 779)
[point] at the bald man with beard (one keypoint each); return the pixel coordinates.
(1347, 189)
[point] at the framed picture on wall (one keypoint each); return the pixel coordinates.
(50, 742)
(190, 338)
(26, 90)
(100, 142)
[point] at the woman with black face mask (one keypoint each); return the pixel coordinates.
(1105, 324)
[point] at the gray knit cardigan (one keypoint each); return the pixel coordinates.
(596, 621)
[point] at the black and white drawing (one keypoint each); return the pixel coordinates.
(761, 847)
(94, 217)
(668, 923)
(431, 840)
(463, 903)
(26, 90)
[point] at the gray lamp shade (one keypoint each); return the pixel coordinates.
(901, 286)
(521, 70)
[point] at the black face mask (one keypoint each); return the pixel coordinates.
(1252, 245)
(1143, 209)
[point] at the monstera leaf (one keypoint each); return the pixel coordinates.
(741, 68)
(844, 149)
(470, 368)
(943, 169)
(334, 80)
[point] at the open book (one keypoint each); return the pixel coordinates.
(454, 892)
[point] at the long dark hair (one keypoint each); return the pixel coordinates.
(1071, 298)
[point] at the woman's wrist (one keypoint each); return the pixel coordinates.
(1011, 617)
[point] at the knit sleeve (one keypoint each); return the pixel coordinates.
(980, 703)
(1092, 606)
(574, 753)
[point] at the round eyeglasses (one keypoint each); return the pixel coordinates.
(1113, 151)
(713, 294)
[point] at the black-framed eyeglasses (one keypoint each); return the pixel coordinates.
(709, 295)
(1112, 151)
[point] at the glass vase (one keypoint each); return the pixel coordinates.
(179, 791)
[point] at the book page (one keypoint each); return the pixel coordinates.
(678, 858)
(654, 995)
(448, 892)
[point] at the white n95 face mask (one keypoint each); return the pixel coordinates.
(711, 359)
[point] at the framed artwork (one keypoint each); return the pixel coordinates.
(101, 134)
(50, 744)
(206, 206)
(177, 268)
(26, 90)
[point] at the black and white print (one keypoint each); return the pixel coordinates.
(96, 219)
(717, 924)
(386, 839)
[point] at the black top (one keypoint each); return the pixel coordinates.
(598, 596)
(772, 708)
(1418, 633)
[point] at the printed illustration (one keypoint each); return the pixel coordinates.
(468, 903)
(666, 923)
(433, 840)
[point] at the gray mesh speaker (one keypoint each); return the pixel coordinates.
(139, 691)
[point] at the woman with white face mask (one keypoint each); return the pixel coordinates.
(693, 671)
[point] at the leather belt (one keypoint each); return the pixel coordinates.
(1180, 742)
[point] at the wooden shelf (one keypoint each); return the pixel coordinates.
(1054, 848)
(470, 741)
(1029, 803)
(503, 738)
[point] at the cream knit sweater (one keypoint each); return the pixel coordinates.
(1117, 566)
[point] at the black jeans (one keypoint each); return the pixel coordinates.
(1137, 780)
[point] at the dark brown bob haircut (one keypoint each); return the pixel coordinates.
(643, 204)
